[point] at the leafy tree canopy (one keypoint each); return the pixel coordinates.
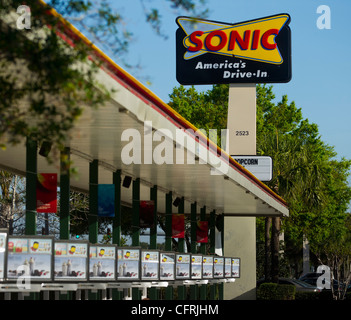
(45, 84)
(305, 170)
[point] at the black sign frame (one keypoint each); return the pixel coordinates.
(18, 250)
(126, 277)
(102, 275)
(241, 70)
(71, 276)
(163, 264)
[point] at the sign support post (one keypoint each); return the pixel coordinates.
(241, 230)
(242, 55)
(241, 121)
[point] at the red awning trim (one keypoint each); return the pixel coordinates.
(70, 34)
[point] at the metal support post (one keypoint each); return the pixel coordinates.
(64, 195)
(193, 288)
(31, 185)
(116, 223)
(168, 244)
(153, 236)
(135, 225)
(213, 287)
(93, 208)
(203, 288)
(181, 242)
(93, 201)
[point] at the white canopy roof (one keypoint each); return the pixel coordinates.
(98, 135)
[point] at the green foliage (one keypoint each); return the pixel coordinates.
(47, 83)
(205, 110)
(274, 291)
(305, 171)
(306, 174)
(193, 8)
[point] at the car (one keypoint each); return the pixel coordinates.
(312, 277)
(300, 286)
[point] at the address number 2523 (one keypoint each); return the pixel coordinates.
(241, 133)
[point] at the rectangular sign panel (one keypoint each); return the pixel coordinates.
(236, 267)
(3, 248)
(227, 267)
(106, 200)
(167, 266)
(46, 193)
(261, 167)
(196, 266)
(255, 51)
(128, 264)
(150, 263)
(218, 267)
(30, 257)
(71, 260)
(183, 266)
(102, 262)
(207, 267)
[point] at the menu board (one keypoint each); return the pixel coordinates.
(128, 264)
(71, 261)
(218, 267)
(3, 245)
(30, 257)
(236, 267)
(182, 266)
(207, 267)
(167, 266)
(196, 266)
(150, 265)
(227, 267)
(102, 262)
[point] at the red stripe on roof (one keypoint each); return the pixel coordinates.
(70, 34)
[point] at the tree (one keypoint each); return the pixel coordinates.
(55, 81)
(329, 229)
(305, 171)
(45, 82)
(205, 110)
(11, 200)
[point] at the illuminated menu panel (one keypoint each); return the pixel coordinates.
(167, 266)
(227, 267)
(102, 262)
(207, 267)
(196, 266)
(3, 247)
(218, 267)
(30, 257)
(150, 265)
(236, 267)
(71, 261)
(182, 266)
(128, 264)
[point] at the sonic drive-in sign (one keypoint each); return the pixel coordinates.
(255, 51)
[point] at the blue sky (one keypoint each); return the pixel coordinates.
(321, 67)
